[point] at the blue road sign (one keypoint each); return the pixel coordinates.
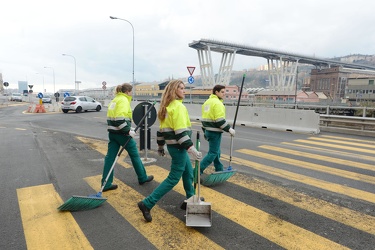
(40, 95)
(191, 79)
(66, 94)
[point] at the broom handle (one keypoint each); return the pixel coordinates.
(123, 147)
(235, 118)
(197, 163)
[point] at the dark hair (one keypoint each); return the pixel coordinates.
(217, 88)
(123, 88)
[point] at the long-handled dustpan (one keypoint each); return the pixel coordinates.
(80, 203)
(222, 176)
(198, 212)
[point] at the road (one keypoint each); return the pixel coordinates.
(291, 191)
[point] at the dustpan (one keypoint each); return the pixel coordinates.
(198, 213)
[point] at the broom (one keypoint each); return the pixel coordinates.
(221, 176)
(79, 203)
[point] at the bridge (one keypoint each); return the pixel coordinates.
(282, 66)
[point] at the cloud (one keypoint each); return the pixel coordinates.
(36, 34)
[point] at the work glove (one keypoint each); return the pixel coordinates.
(194, 153)
(161, 150)
(132, 133)
(232, 132)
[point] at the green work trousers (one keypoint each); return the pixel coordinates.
(181, 167)
(115, 142)
(213, 155)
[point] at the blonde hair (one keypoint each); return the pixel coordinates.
(123, 88)
(168, 96)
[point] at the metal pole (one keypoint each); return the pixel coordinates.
(112, 17)
(53, 72)
(146, 144)
(75, 72)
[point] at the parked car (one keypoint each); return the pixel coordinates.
(79, 104)
(16, 97)
(46, 99)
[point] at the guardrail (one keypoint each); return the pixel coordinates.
(348, 124)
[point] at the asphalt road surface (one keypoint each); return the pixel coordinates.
(291, 191)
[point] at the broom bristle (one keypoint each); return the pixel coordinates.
(217, 178)
(79, 203)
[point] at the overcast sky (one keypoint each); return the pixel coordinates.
(35, 34)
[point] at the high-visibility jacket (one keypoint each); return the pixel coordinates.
(213, 115)
(175, 129)
(119, 114)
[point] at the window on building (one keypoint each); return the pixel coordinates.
(370, 82)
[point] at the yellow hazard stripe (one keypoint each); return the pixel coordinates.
(102, 147)
(362, 150)
(165, 231)
(333, 187)
(44, 226)
(266, 225)
(312, 166)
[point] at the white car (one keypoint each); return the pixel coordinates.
(79, 104)
(16, 97)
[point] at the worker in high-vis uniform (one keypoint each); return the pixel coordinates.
(213, 125)
(175, 131)
(119, 118)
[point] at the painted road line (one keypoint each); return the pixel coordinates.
(336, 146)
(165, 231)
(332, 211)
(353, 164)
(266, 225)
(102, 147)
(347, 154)
(332, 187)
(44, 226)
(311, 166)
(354, 144)
(348, 139)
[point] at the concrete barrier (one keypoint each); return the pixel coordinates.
(293, 120)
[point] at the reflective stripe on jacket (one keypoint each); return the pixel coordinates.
(213, 115)
(119, 114)
(175, 129)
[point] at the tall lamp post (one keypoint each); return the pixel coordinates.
(75, 71)
(53, 71)
(112, 17)
(43, 80)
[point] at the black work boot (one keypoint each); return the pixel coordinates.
(145, 211)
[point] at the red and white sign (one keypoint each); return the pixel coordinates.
(191, 69)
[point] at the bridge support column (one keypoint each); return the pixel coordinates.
(225, 70)
(282, 73)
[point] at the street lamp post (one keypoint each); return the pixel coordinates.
(53, 71)
(43, 80)
(112, 17)
(75, 72)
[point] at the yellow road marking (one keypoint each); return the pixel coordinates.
(266, 225)
(165, 231)
(347, 139)
(336, 146)
(321, 157)
(20, 129)
(343, 215)
(44, 226)
(333, 187)
(309, 165)
(343, 142)
(102, 147)
(364, 157)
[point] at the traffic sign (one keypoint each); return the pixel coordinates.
(104, 83)
(6, 84)
(191, 79)
(104, 87)
(66, 94)
(191, 69)
(40, 95)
